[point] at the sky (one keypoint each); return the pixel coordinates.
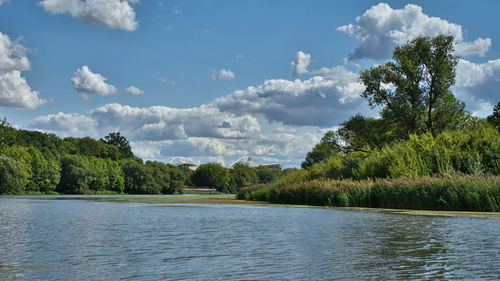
(218, 80)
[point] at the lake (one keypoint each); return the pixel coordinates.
(44, 239)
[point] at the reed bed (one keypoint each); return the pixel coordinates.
(447, 193)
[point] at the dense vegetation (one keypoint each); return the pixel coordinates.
(425, 151)
(35, 162)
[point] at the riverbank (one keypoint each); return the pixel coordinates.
(181, 200)
(448, 193)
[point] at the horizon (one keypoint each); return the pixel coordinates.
(218, 80)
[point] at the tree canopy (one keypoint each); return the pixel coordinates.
(414, 88)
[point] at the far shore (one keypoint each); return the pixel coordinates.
(231, 200)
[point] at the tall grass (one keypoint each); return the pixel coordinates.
(453, 192)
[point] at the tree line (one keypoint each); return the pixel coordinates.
(36, 162)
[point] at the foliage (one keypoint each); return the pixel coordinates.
(119, 141)
(244, 175)
(13, 177)
(455, 193)
(413, 88)
(361, 133)
(213, 175)
(494, 118)
(326, 148)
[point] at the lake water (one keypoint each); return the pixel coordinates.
(88, 240)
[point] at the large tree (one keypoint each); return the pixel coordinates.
(121, 142)
(414, 88)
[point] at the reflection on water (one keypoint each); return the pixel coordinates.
(82, 240)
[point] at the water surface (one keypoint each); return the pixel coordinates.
(88, 240)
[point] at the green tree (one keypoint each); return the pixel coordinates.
(267, 175)
(213, 175)
(139, 178)
(494, 118)
(76, 175)
(244, 175)
(326, 148)
(13, 177)
(414, 86)
(363, 134)
(121, 142)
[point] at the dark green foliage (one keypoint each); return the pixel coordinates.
(361, 133)
(119, 141)
(139, 178)
(494, 118)
(326, 148)
(267, 175)
(414, 88)
(244, 175)
(76, 175)
(213, 175)
(13, 177)
(450, 193)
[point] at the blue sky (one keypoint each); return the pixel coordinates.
(216, 80)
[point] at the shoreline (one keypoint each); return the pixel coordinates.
(231, 200)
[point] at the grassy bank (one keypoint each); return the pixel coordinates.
(448, 193)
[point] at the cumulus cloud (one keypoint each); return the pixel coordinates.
(12, 55)
(88, 83)
(133, 90)
(381, 28)
(322, 100)
(15, 92)
(64, 124)
(108, 13)
(153, 123)
(222, 74)
(279, 146)
(300, 63)
(478, 85)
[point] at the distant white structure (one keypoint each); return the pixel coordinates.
(183, 161)
(250, 161)
(246, 160)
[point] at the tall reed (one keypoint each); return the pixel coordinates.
(455, 192)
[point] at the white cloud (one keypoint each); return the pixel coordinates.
(134, 91)
(478, 85)
(154, 123)
(323, 100)
(381, 28)
(108, 13)
(223, 74)
(4, 1)
(87, 83)
(348, 28)
(15, 91)
(12, 55)
(66, 124)
(300, 63)
(479, 47)
(286, 147)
